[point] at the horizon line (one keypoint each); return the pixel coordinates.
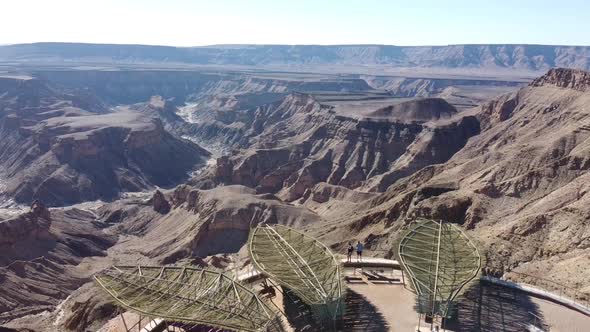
(272, 44)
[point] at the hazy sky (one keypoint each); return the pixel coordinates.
(192, 23)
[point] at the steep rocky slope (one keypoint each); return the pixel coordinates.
(64, 149)
(520, 187)
(40, 254)
(215, 221)
(527, 57)
(196, 223)
(299, 142)
(56, 254)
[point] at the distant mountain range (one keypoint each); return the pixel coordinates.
(519, 57)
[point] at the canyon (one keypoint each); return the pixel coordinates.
(157, 164)
(66, 148)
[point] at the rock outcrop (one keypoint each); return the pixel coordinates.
(565, 78)
(216, 221)
(160, 203)
(407, 87)
(17, 234)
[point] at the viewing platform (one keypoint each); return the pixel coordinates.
(371, 262)
(372, 267)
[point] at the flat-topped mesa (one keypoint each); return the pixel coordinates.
(575, 79)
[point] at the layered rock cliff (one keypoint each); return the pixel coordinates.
(429, 86)
(299, 142)
(523, 57)
(520, 186)
(55, 151)
(133, 86)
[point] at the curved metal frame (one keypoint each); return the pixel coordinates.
(301, 263)
(188, 295)
(440, 260)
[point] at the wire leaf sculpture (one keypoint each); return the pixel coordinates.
(188, 295)
(302, 264)
(440, 261)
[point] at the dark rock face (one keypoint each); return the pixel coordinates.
(160, 203)
(498, 110)
(56, 152)
(436, 145)
(448, 208)
(565, 78)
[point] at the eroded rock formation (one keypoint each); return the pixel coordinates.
(519, 187)
(300, 142)
(54, 151)
(565, 78)
(513, 173)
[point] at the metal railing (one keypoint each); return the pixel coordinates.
(567, 293)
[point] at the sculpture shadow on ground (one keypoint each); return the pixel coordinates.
(488, 307)
(359, 315)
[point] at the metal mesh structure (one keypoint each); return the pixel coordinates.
(302, 264)
(439, 260)
(188, 295)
